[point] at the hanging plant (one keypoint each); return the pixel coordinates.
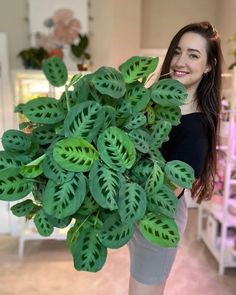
(92, 161)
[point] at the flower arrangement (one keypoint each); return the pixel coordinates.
(64, 32)
(92, 161)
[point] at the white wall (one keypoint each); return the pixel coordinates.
(226, 14)
(161, 19)
(115, 31)
(13, 21)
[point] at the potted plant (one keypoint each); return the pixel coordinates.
(32, 57)
(93, 162)
(79, 50)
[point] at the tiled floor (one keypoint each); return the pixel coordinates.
(47, 269)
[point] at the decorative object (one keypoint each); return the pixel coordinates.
(32, 57)
(79, 50)
(92, 161)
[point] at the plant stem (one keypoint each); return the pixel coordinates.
(67, 97)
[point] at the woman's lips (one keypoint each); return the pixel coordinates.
(179, 73)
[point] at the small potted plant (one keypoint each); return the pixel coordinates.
(33, 57)
(79, 50)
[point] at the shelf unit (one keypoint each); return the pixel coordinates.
(216, 225)
(30, 84)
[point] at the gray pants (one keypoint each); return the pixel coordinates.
(151, 264)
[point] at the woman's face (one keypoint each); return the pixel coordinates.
(189, 62)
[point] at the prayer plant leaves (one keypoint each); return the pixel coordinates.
(55, 71)
(160, 230)
(63, 200)
(132, 203)
(168, 92)
(138, 67)
(138, 96)
(114, 234)
(14, 186)
(109, 81)
(171, 114)
(160, 134)
(180, 173)
(92, 159)
(15, 140)
(74, 154)
(84, 120)
(116, 149)
(88, 253)
(163, 201)
(23, 208)
(42, 223)
(104, 184)
(53, 171)
(155, 179)
(45, 110)
(11, 160)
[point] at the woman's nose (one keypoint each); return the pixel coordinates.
(180, 60)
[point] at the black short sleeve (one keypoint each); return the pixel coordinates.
(188, 142)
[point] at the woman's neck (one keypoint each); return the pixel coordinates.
(190, 105)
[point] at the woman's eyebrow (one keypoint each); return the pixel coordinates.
(195, 50)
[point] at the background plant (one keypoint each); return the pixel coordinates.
(93, 162)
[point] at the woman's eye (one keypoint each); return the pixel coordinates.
(176, 52)
(193, 56)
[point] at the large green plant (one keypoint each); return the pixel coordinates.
(93, 162)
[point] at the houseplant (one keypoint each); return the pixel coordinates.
(33, 57)
(93, 162)
(79, 50)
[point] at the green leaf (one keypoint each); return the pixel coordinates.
(116, 149)
(15, 140)
(115, 234)
(171, 114)
(180, 173)
(84, 120)
(54, 172)
(55, 71)
(44, 110)
(132, 202)
(104, 185)
(160, 230)
(11, 160)
(109, 81)
(63, 101)
(151, 117)
(62, 200)
(141, 140)
(168, 92)
(89, 254)
(44, 134)
(160, 134)
(155, 155)
(59, 222)
(23, 208)
(89, 206)
(33, 169)
(138, 67)
(135, 121)
(138, 96)
(142, 170)
(13, 186)
(155, 180)
(163, 201)
(42, 224)
(74, 154)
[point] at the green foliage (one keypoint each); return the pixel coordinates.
(93, 162)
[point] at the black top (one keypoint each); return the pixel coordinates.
(188, 142)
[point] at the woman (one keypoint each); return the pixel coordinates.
(194, 59)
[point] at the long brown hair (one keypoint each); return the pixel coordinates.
(208, 96)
